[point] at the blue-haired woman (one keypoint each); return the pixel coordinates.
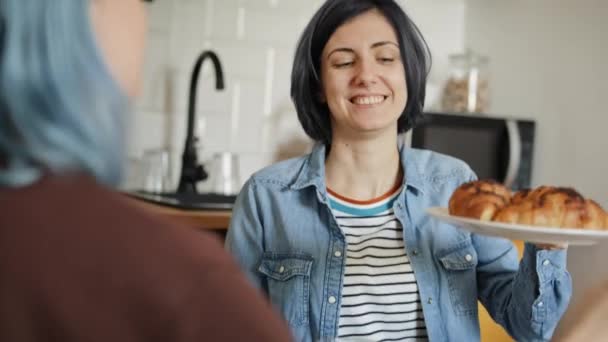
(77, 262)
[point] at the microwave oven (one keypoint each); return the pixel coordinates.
(495, 148)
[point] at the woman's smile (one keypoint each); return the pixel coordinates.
(367, 100)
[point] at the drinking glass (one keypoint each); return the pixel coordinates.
(155, 170)
(225, 179)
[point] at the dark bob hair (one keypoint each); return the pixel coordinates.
(313, 114)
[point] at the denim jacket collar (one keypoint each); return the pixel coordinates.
(313, 171)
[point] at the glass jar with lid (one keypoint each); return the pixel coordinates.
(466, 89)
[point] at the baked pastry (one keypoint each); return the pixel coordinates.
(545, 206)
(593, 217)
(479, 199)
(553, 207)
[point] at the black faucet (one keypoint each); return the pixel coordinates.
(192, 172)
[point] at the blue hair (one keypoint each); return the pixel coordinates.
(60, 109)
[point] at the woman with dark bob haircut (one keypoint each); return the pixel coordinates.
(313, 113)
(339, 240)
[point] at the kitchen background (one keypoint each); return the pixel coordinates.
(547, 63)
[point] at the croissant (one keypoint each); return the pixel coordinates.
(553, 207)
(593, 217)
(479, 199)
(545, 206)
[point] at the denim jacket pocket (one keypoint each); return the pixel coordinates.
(460, 264)
(288, 279)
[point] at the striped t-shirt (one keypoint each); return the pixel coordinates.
(380, 299)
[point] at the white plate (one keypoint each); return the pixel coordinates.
(535, 234)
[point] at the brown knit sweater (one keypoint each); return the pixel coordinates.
(80, 263)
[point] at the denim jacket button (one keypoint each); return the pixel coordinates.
(546, 263)
(331, 300)
(415, 252)
(338, 254)
(281, 269)
(468, 257)
(430, 300)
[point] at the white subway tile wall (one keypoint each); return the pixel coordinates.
(255, 41)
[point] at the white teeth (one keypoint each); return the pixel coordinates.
(367, 100)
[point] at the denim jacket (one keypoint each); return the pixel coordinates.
(286, 239)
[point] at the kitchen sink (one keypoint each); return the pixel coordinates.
(187, 201)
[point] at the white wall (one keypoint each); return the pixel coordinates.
(549, 63)
(255, 40)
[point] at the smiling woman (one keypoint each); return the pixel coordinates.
(340, 240)
(363, 77)
(409, 54)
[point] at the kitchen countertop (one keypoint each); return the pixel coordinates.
(199, 219)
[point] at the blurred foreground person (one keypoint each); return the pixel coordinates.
(78, 262)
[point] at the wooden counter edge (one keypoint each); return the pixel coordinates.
(199, 219)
